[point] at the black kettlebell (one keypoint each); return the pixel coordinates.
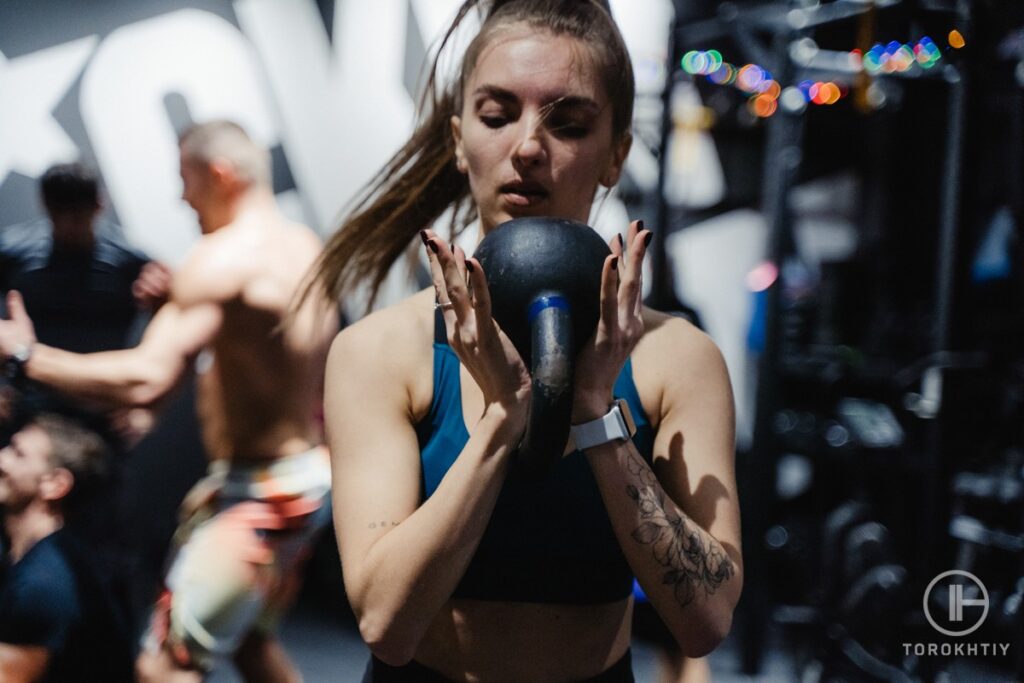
(544, 277)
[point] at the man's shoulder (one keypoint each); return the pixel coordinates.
(112, 245)
(39, 593)
(296, 239)
(45, 566)
(24, 240)
(214, 270)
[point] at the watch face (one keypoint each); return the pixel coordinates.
(627, 416)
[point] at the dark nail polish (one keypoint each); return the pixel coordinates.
(648, 238)
(639, 226)
(619, 238)
(615, 263)
(423, 236)
(470, 267)
(433, 246)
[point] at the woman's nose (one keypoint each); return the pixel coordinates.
(530, 149)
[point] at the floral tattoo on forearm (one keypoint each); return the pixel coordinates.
(691, 562)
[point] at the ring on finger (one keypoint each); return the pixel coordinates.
(442, 304)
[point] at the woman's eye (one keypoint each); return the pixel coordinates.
(569, 129)
(493, 121)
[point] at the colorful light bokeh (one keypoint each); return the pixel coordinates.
(752, 79)
(764, 92)
(823, 92)
(896, 57)
(701, 62)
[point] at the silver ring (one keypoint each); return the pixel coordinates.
(442, 304)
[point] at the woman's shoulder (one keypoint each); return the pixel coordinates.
(400, 332)
(673, 356)
(673, 336)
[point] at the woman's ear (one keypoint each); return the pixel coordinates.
(618, 161)
(460, 156)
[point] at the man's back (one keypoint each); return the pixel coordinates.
(258, 398)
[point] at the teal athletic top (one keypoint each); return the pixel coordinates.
(548, 541)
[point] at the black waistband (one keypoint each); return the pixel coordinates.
(414, 672)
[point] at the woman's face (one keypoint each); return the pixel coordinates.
(535, 132)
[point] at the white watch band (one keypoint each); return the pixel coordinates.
(602, 430)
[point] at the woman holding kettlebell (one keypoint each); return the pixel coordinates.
(455, 571)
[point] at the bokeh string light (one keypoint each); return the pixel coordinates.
(764, 92)
(900, 58)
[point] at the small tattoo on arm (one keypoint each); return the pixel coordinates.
(382, 525)
(691, 563)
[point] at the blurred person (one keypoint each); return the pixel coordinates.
(82, 284)
(457, 568)
(246, 527)
(58, 621)
(87, 290)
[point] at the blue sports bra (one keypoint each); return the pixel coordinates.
(548, 541)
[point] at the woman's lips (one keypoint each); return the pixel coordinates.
(523, 193)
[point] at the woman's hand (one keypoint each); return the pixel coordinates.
(473, 334)
(619, 329)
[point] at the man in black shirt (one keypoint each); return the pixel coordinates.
(79, 278)
(57, 620)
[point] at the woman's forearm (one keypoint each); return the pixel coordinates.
(411, 572)
(687, 574)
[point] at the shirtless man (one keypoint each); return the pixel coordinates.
(246, 526)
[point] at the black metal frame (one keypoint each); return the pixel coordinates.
(782, 163)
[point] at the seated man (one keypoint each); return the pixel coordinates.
(57, 620)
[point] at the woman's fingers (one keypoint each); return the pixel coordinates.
(631, 232)
(458, 293)
(442, 272)
(460, 263)
(609, 292)
(436, 272)
(631, 290)
(478, 283)
(643, 242)
(616, 245)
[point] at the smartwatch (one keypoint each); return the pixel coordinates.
(617, 424)
(14, 365)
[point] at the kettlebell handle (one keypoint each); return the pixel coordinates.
(553, 366)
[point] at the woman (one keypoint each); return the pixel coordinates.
(455, 569)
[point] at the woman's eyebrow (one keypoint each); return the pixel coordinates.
(494, 92)
(568, 101)
(562, 101)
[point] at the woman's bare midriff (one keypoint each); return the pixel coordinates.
(474, 640)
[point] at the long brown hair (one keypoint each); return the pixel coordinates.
(421, 181)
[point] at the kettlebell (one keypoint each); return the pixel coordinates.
(544, 278)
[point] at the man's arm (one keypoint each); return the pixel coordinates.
(22, 663)
(140, 376)
(136, 377)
